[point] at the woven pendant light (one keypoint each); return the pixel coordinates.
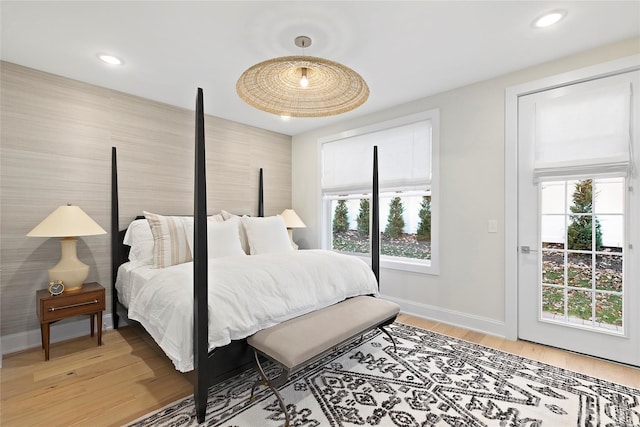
(276, 86)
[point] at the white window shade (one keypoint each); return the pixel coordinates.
(404, 159)
(583, 133)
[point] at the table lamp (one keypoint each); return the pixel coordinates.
(67, 222)
(292, 220)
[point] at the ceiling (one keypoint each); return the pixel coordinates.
(404, 50)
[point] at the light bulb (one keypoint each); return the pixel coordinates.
(304, 82)
(110, 59)
(549, 19)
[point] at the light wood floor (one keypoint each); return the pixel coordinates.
(86, 385)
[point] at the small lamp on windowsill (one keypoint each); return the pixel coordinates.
(292, 220)
(67, 222)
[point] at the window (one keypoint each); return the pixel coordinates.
(582, 240)
(407, 166)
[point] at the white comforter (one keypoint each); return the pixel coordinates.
(246, 294)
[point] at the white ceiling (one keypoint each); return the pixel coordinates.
(404, 50)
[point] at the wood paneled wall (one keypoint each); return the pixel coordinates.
(56, 139)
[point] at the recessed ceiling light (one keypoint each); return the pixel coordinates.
(110, 59)
(549, 18)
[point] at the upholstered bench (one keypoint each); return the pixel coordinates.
(300, 341)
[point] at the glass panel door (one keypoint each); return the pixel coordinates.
(579, 245)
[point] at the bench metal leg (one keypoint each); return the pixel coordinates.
(395, 349)
(273, 384)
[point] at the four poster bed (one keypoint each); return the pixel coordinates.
(206, 330)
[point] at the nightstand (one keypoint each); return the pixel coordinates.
(87, 301)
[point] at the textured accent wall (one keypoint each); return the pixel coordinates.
(56, 139)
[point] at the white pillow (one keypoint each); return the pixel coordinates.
(227, 215)
(140, 238)
(215, 218)
(223, 239)
(188, 223)
(170, 242)
(266, 235)
(243, 234)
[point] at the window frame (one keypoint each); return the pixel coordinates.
(432, 266)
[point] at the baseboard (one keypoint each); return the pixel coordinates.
(59, 332)
(450, 317)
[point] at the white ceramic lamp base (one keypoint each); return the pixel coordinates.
(293, 244)
(70, 269)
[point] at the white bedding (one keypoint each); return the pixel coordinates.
(131, 278)
(246, 294)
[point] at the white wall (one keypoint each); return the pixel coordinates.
(470, 289)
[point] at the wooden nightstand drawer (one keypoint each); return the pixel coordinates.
(66, 305)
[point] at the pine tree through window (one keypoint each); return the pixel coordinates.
(405, 222)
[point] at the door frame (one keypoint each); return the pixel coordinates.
(622, 65)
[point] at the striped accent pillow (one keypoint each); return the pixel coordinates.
(170, 242)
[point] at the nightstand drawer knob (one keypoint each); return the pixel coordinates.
(95, 301)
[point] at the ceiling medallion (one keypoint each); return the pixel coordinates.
(302, 86)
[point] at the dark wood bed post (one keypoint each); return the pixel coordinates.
(115, 233)
(375, 220)
(260, 196)
(200, 273)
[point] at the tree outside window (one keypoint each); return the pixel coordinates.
(405, 220)
(363, 217)
(580, 233)
(395, 222)
(341, 217)
(424, 228)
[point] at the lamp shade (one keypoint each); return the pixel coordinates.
(302, 86)
(67, 221)
(329, 88)
(291, 219)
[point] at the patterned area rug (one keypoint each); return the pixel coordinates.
(432, 380)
